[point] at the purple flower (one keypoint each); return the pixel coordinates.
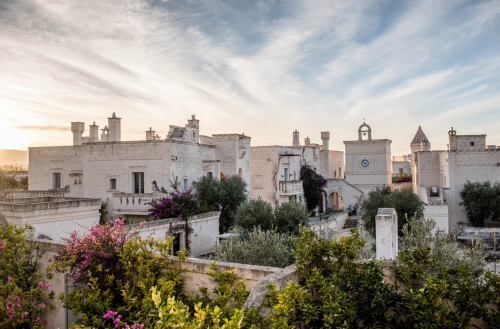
(38, 320)
(40, 285)
(17, 298)
(9, 278)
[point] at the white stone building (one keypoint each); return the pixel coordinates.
(122, 172)
(401, 165)
(275, 170)
(439, 176)
(368, 161)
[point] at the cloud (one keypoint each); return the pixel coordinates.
(53, 128)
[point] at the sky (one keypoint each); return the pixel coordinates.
(263, 68)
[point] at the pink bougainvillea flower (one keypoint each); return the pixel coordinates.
(40, 285)
(38, 320)
(48, 285)
(17, 298)
(11, 317)
(9, 278)
(47, 323)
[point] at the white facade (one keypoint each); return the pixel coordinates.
(275, 170)
(115, 170)
(55, 217)
(386, 227)
(368, 161)
(439, 176)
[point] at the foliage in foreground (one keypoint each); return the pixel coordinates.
(21, 284)
(285, 218)
(255, 247)
(481, 202)
(405, 202)
(224, 195)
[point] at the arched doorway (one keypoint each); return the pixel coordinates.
(240, 173)
(335, 201)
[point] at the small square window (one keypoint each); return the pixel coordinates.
(471, 143)
(112, 184)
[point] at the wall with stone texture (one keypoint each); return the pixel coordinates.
(439, 213)
(429, 173)
(203, 238)
(350, 194)
(234, 152)
(263, 165)
(379, 171)
(334, 222)
(475, 166)
(54, 217)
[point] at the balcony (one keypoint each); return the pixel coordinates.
(132, 203)
(293, 187)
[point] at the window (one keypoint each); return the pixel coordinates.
(471, 143)
(294, 176)
(112, 184)
(400, 170)
(185, 185)
(138, 181)
(194, 136)
(210, 175)
(176, 244)
(286, 175)
(340, 172)
(334, 174)
(56, 180)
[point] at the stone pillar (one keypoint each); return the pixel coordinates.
(77, 128)
(386, 225)
(150, 134)
(296, 142)
(94, 133)
(104, 134)
(115, 129)
(325, 137)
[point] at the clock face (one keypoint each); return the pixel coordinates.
(365, 163)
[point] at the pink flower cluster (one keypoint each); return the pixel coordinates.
(98, 247)
(118, 323)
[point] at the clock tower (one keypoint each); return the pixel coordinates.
(368, 161)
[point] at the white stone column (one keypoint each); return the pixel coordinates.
(386, 225)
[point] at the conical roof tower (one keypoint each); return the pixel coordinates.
(420, 137)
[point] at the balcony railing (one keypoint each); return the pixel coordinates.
(293, 187)
(132, 203)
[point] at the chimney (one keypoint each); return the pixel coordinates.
(307, 141)
(104, 134)
(93, 133)
(150, 134)
(77, 128)
(296, 142)
(325, 137)
(115, 129)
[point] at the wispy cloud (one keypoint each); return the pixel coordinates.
(53, 128)
(262, 67)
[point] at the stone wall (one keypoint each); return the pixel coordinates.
(439, 213)
(203, 238)
(334, 222)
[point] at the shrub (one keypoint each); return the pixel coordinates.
(481, 202)
(180, 204)
(254, 213)
(224, 195)
(313, 184)
(255, 247)
(406, 203)
(289, 216)
(21, 284)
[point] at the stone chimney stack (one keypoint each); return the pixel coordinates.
(307, 141)
(104, 134)
(77, 128)
(296, 142)
(325, 137)
(150, 134)
(115, 129)
(94, 133)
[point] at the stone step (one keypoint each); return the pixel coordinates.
(349, 223)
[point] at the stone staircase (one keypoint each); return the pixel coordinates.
(350, 222)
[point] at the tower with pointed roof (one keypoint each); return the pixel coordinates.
(419, 143)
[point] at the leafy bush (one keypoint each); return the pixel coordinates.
(481, 202)
(179, 204)
(285, 218)
(289, 216)
(21, 284)
(224, 195)
(255, 247)
(8, 182)
(406, 203)
(254, 213)
(313, 184)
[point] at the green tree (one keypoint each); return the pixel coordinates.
(103, 212)
(254, 213)
(289, 216)
(481, 202)
(313, 184)
(406, 203)
(224, 195)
